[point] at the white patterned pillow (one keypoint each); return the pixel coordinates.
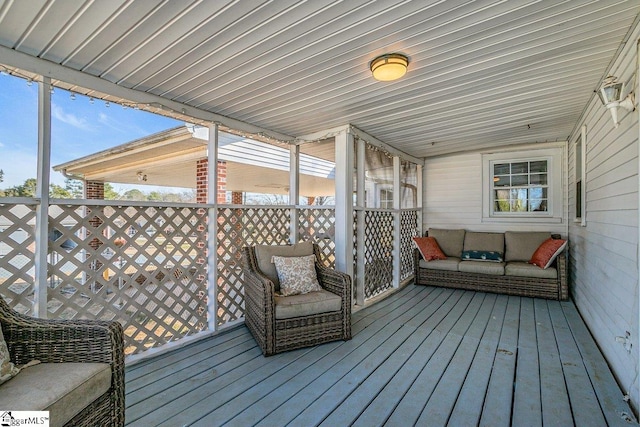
(297, 275)
(7, 369)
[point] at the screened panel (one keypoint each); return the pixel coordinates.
(18, 136)
(408, 185)
(378, 177)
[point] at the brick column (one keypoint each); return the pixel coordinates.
(202, 183)
(94, 190)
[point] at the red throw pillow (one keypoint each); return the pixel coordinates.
(547, 252)
(428, 247)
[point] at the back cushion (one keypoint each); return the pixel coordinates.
(264, 253)
(492, 242)
(450, 241)
(520, 245)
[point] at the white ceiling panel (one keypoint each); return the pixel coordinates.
(482, 73)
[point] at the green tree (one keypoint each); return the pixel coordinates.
(28, 189)
(154, 196)
(58, 192)
(134, 194)
(74, 187)
(110, 193)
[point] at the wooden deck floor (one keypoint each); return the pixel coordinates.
(425, 356)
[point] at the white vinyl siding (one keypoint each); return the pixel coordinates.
(604, 253)
(453, 195)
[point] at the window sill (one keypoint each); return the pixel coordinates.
(529, 220)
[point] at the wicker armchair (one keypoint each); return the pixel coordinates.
(56, 341)
(275, 334)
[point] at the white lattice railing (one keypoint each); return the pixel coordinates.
(378, 246)
(408, 230)
(240, 226)
(17, 254)
(318, 225)
(144, 266)
(378, 252)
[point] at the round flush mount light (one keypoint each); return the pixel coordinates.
(389, 67)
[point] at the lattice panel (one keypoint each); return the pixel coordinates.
(378, 244)
(355, 255)
(408, 230)
(318, 225)
(142, 266)
(17, 255)
(238, 227)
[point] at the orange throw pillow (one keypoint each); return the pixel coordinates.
(547, 252)
(428, 247)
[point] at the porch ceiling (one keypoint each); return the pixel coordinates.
(482, 73)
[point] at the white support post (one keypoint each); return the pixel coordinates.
(361, 212)
(212, 228)
(397, 231)
(294, 191)
(42, 192)
(419, 174)
(344, 203)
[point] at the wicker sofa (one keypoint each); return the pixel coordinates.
(80, 379)
(513, 276)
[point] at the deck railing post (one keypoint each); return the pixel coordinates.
(360, 226)
(212, 229)
(294, 191)
(42, 193)
(397, 231)
(419, 198)
(344, 154)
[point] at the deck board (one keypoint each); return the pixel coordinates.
(556, 409)
(424, 356)
(499, 396)
(468, 408)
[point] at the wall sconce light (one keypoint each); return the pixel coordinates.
(610, 94)
(389, 67)
(142, 176)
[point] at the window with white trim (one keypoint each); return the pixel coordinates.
(386, 198)
(579, 164)
(520, 187)
(523, 186)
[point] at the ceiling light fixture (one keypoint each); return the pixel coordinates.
(389, 67)
(610, 94)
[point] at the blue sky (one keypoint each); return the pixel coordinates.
(78, 128)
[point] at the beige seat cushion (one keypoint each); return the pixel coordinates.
(264, 253)
(449, 264)
(450, 241)
(493, 268)
(520, 245)
(524, 269)
(63, 389)
(307, 304)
